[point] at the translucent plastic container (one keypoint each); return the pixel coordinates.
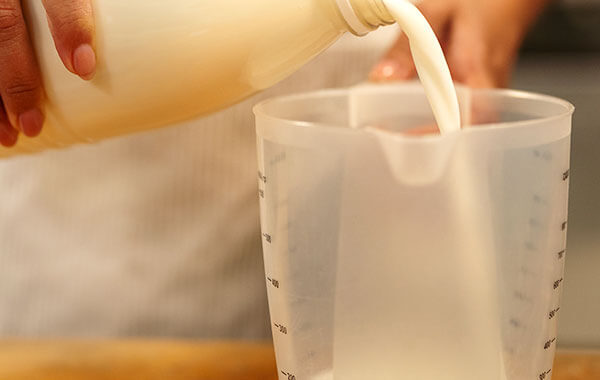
(395, 255)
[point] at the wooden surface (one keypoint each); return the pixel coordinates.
(133, 360)
(170, 360)
(577, 365)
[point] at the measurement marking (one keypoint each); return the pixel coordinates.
(557, 283)
(273, 282)
(289, 375)
(552, 313)
(561, 254)
(549, 343)
(268, 238)
(544, 374)
(262, 177)
(563, 226)
(261, 193)
(565, 175)
(282, 328)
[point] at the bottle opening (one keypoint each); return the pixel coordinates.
(355, 25)
(364, 16)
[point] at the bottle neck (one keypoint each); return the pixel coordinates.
(364, 16)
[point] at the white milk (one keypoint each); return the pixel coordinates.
(430, 63)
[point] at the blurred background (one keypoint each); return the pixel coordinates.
(562, 57)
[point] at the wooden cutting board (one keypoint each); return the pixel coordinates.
(181, 360)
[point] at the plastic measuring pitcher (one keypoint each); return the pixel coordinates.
(392, 255)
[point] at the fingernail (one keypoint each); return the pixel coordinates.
(8, 136)
(84, 61)
(31, 122)
(388, 70)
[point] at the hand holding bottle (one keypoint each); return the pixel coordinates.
(72, 25)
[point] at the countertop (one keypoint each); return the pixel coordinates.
(181, 360)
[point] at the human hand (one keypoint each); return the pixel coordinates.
(480, 38)
(72, 25)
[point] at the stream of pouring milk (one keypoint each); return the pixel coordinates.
(430, 63)
(436, 79)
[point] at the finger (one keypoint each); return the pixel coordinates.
(72, 26)
(20, 83)
(466, 55)
(476, 56)
(8, 135)
(422, 130)
(438, 13)
(397, 63)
